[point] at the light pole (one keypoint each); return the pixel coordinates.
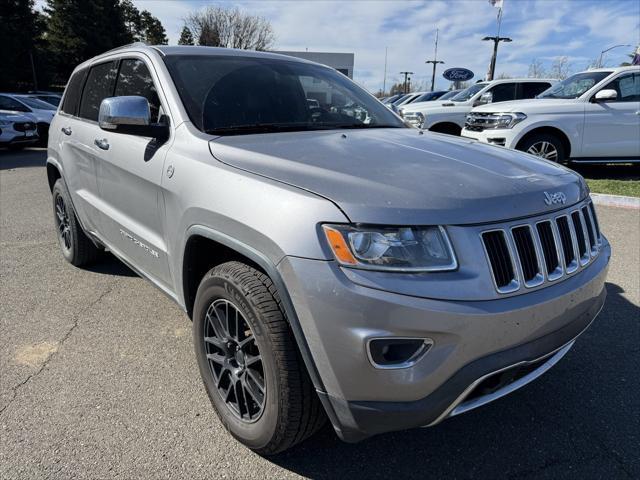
(406, 75)
(435, 61)
(496, 40)
(606, 50)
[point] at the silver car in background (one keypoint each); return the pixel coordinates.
(335, 266)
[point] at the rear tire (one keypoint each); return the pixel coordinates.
(288, 410)
(76, 247)
(544, 145)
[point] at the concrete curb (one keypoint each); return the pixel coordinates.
(615, 200)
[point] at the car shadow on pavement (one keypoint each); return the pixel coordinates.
(575, 421)
(110, 265)
(30, 157)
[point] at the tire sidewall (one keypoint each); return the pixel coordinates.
(259, 433)
(60, 191)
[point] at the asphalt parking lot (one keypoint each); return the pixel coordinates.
(98, 379)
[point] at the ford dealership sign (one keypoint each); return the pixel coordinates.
(457, 74)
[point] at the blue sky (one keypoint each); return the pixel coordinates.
(541, 29)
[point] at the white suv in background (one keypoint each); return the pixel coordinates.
(449, 117)
(592, 117)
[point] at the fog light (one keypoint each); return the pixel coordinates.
(497, 141)
(395, 352)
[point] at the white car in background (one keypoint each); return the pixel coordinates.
(592, 116)
(17, 130)
(449, 117)
(42, 111)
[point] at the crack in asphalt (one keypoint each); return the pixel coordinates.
(15, 389)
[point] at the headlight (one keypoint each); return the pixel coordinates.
(401, 249)
(495, 120)
(420, 117)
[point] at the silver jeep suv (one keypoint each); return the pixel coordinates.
(335, 263)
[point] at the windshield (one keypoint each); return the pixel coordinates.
(575, 85)
(37, 104)
(231, 95)
(425, 97)
(52, 99)
(465, 95)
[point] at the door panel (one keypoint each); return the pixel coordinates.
(612, 129)
(129, 181)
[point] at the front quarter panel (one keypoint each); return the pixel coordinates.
(264, 215)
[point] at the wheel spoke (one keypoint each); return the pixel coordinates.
(216, 342)
(255, 393)
(246, 341)
(257, 379)
(216, 325)
(216, 358)
(251, 359)
(241, 401)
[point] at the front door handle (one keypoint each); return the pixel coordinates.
(66, 130)
(102, 143)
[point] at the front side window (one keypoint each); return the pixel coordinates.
(503, 92)
(134, 79)
(100, 84)
(230, 95)
(575, 85)
(627, 87)
(533, 89)
(8, 103)
(466, 94)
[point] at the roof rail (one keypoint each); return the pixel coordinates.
(134, 44)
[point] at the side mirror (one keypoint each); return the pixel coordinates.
(131, 115)
(485, 98)
(606, 95)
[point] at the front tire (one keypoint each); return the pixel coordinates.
(249, 363)
(76, 247)
(545, 146)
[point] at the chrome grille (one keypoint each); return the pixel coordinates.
(531, 254)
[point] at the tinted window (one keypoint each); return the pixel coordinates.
(134, 79)
(37, 104)
(503, 92)
(8, 103)
(73, 93)
(531, 89)
(627, 87)
(575, 85)
(99, 86)
(237, 94)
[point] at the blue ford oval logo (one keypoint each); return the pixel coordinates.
(457, 74)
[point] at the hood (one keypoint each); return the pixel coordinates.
(547, 105)
(14, 116)
(398, 176)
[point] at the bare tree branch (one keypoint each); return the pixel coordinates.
(230, 28)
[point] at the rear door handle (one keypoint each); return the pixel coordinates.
(102, 143)
(66, 130)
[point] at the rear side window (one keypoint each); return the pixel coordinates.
(100, 84)
(627, 87)
(73, 93)
(532, 89)
(134, 79)
(503, 92)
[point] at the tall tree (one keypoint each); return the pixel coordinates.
(20, 30)
(132, 20)
(186, 37)
(231, 28)
(153, 31)
(80, 29)
(536, 69)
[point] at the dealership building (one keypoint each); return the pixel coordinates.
(342, 62)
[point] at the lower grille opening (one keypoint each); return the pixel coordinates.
(526, 252)
(499, 258)
(502, 379)
(565, 238)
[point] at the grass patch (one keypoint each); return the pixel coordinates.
(629, 188)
